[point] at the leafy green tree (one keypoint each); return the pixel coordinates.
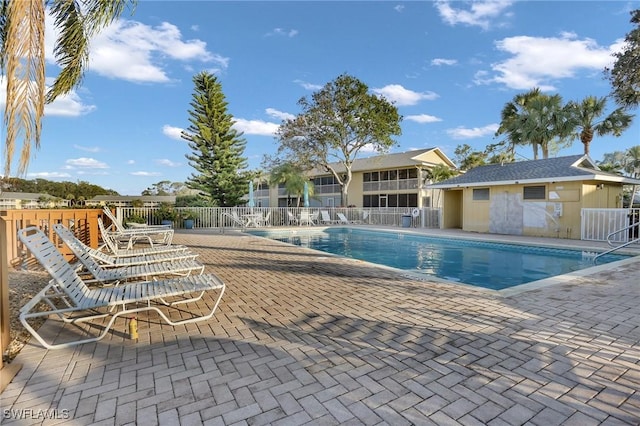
(166, 187)
(335, 124)
(590, 119)
(624, 76)
(467, 158)
(293, 179)
(193, 201)
(537, 119)
(22, 61)
(217, 147)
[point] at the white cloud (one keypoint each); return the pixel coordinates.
(441, 61)
(538, 61)
(172, 132)
(423, 118)
(481, 13)
(476, 132)
(399, 8)
(142, 173)
(255, 127)
(308, 86)
(87, 148)
(131, 161)
(282, 32)
(401, 96)
(279, 114)
(133, 51)
(168, 163)
(92, 172)
(49, 175)
(368, 149)
(84, 162)
(69, 105)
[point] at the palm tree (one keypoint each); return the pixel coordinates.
(632, 166)
(590, 120)
(536, 119)
(546, 123)
(438, 173)
(610, 168)
(509, 117)
(632, 161)
(22, 60)
(293, 179)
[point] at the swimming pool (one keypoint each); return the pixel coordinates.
(490, 265)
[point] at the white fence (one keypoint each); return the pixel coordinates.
(598, 224)
(224, 217)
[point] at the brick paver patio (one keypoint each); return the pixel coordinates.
(302, 338)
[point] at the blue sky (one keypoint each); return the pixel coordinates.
(450, 67)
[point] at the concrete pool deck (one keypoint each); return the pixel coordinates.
(302, 338)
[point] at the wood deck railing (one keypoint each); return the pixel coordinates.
(84, 222)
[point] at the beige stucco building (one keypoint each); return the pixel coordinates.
(29, 200)
(391, 180)
(535, 198)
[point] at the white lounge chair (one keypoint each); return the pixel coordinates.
(67, 294)
(159, 234)
(342, 219)
(234, 218)
(326, 218)
(119, 227)
(102, 273)
(114, 243)
(143, 256)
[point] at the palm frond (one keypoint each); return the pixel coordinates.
(77, 23)
(23, 57)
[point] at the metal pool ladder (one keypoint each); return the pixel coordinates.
(626, 228)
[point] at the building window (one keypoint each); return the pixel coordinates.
(535, 193)
(480, 194)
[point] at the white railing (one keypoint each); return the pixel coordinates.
(598, 224)
(223, 217)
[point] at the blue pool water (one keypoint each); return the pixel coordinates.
(491, 265)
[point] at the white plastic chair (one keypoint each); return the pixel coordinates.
(305, 218)
(292, 218)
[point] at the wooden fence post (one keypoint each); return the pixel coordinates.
(7, 371)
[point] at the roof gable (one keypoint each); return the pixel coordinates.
(426, 157)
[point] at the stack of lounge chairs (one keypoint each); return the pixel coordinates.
(117, 280)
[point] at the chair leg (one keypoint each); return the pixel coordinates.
(24, 316)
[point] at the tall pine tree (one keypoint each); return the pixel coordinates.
(217, 148)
